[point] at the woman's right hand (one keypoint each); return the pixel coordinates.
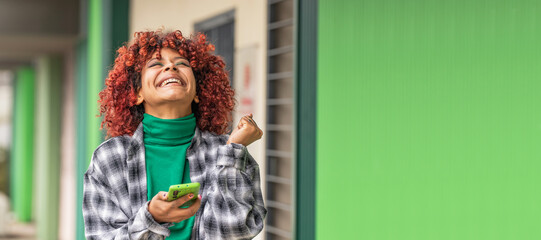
(164, 211)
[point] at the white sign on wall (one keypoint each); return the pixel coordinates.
(246, 84)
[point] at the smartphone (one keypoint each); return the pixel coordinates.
(178, 190)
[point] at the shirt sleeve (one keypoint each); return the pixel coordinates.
(235, 208)
(103, 216)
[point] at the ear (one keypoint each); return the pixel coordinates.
(139, 98)
(196, 99)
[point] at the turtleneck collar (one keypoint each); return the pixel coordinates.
(171, 132)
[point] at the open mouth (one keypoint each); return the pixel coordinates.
(172, 81)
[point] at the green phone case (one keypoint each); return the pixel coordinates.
(179, 190)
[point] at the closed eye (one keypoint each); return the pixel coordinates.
(155, 64)
(183, 63)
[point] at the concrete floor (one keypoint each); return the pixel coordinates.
(19, 231)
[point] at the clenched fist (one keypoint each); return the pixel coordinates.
(246, 132)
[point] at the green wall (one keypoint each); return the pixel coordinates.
(95, 74)
(107, 26)
(428, 120)
(81, 145)
(305, 118)
(21, 177)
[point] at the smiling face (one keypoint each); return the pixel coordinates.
(167, 85)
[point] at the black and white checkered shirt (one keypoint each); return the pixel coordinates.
(115, 204)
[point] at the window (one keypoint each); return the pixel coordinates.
(220, 31)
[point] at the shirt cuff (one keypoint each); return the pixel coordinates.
(232, 155)
(155, 227)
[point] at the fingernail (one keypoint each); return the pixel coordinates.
(190, 195)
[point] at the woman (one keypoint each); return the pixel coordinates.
(167, 104)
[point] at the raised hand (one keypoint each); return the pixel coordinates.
(246, 132)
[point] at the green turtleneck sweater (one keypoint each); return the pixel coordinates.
(166, 142)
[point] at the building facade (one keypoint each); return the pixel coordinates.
(382, 119)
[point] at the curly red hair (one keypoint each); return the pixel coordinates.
(118, 98)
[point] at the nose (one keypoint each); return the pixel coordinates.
(171, 67)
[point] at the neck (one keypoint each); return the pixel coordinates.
(168, 112)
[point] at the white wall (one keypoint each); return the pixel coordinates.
(6, 103)
(250, 34)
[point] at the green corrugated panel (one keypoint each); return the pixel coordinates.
(429, 120)
(47, 146)
(23, 145)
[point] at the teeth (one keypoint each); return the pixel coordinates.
(170, 80)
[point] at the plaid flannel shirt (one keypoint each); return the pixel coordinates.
(115, 204)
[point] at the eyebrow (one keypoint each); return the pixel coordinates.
(175, 58)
